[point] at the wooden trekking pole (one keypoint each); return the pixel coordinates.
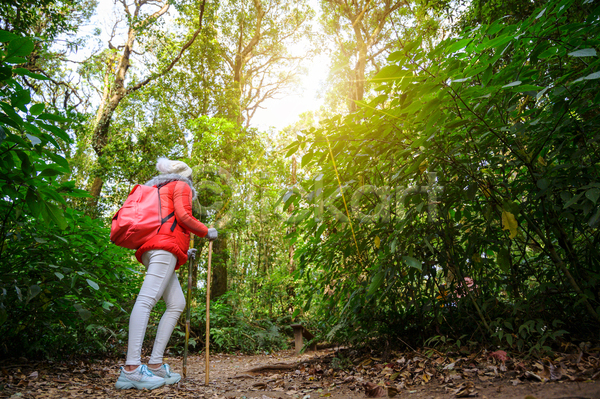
(208, 278)
(188, 311)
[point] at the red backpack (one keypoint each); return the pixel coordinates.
(139, 219)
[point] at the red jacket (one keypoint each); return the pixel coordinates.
(174, 234)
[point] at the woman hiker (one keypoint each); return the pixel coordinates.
(162, 255)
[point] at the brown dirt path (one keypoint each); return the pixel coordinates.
(307, 376)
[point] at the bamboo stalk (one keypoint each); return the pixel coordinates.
(188, 312)
(208, 278)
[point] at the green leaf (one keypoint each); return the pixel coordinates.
(59, 275)
(376, 282)
(395, 56)
(412, 262)
(543, 184)
(53, 117)
(10, 112)
(32, 199)
(409, 47)
(66, 241)
(390, 72)
(306, 158)
(523, 88)
(34, 140)
(56, 214)
(26, 72)
(19, 47)
(60, 161)
(33, 291)
(573, 200)
(587, 52)
(20, 98)
(51, 193)
(6, 37)
(593, 194)
(83, 312)
(31, 128)
(92, 284)
(293, 148)
(487, 75)
(15, 60)
(512, 84)
(19, 294)
(592, 76)
(593, 222)
(56, 130)
(549, 52)
(496, 43)
(9, 122)
(457, 123)
(49, 172)
(461, 80)
(540, 14)
(503, 258)
(37, 109)
(459, 45)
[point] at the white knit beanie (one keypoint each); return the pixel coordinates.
(166, 166)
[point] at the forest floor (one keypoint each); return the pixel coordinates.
(322, 374)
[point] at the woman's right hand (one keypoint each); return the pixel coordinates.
(212, 234)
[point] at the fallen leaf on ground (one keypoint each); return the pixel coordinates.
(373, 390)
(465, 390)
(534, 376)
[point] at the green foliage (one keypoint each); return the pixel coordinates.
(230, 329)
(486, 12)
(44, 17)
(61, 282)
(476, 160)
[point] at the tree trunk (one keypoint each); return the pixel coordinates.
(95, 191)
(100, 140)
(368, 20)
(243, 53)
(219, 267)
(357, 88)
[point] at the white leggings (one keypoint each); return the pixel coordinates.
(160, 281)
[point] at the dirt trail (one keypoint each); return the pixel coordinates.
(280, 375)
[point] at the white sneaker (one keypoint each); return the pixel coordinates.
(140, 378)
(165, 372)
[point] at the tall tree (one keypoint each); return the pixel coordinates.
(259, 44)
(361, 30)
(140, 17)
